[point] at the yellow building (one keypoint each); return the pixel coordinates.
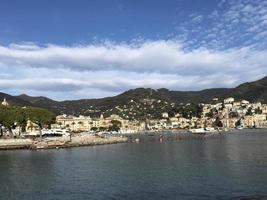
(86, 123)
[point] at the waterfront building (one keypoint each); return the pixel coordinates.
(264, 108)
(77, 124)
(86, 123)
(260, 120)
(249, 121)
(31, 127)
(230, 122)
(230, 113)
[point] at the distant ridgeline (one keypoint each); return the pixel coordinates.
(140, 103)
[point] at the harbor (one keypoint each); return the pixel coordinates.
(102, 138)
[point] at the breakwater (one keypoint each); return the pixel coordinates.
(77, 141)
(7, 144)
(59, 142)
(88, 139)
(165, 136)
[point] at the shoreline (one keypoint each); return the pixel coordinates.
(56, 143)
(90, 140)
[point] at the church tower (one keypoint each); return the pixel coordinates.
(5, 103)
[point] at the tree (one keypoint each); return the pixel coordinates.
(218, 123)
(116, 125)
(8, 118)
(210, 114)
(21, 118)
(258, 111)
(94, 129)
(238, 123)
(41, 117)
(102, 128)
(249, 111)
(11, 116)
(233, 114)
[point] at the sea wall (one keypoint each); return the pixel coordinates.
(6, 144)
(76, 141)
(59, 142)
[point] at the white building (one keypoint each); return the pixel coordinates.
(165, 115)
(5, 103)
(229, 100)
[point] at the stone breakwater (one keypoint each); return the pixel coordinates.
(6, 144)
(48, 143)
(77, 141)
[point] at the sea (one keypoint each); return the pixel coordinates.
(229, 166)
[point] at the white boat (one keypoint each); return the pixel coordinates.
(240, 127)
(55, 132)
(202, 130)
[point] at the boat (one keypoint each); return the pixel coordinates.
(137, 140)
(55, 132)
(240, 127)
(202, 130)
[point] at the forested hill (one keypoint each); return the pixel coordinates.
(142, 100)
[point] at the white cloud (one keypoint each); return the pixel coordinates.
(164, 57)
(65, 72)
(233, 23)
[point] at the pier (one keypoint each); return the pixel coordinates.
(59, 142)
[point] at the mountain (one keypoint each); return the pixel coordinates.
(251, 91)
(14, 100)
(138, 101)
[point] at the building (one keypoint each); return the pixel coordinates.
(229, 100)
(165, 115)
(77, 124)
(31, 127)
(4, 102)
(86, 123)
(264, 108)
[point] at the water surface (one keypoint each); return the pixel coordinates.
(232, 166)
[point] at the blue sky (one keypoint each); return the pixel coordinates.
(87, 49)
(82, 21)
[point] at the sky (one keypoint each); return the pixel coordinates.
(80, 49)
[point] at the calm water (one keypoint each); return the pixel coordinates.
(228, 167)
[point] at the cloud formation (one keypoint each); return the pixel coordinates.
(164, 57)
(233, 23)
(118, 67)
(222, 48)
